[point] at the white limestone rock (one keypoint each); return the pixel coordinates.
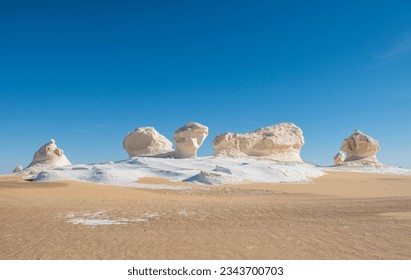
(357, 151)
(188, 139)
(360, 148)
(146, 141)
(48, 156)
(339, 158)
(280, 142)
(18, 169)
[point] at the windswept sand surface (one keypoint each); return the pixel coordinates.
(339, 216)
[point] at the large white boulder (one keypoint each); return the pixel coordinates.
(360, 149)
(48, 156)
(188, 139)
(280, 142)
(146, 141)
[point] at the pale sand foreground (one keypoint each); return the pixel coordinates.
(340, 216)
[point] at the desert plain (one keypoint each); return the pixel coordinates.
(340, 215)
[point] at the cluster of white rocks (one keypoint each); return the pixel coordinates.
(147, 141)
(281, 142)
(358, 149)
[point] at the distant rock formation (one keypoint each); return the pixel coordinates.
(360, 149)
(339, 158)
(188, 139)
(48, 156)
(146, 141)
(280, 142)
(18, 169)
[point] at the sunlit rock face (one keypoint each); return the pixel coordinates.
(146, 141)
(359, 146)
(339, 158)
(280, 142)
(188, 139)
(18, 169)
(48, 156)
(359, 150)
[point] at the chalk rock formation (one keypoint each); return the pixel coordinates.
(146, 141)
(280, 142)
(358, 150)
(339, 158)
(188, 139)
(48, 156)
(359, 146)
(18, 169)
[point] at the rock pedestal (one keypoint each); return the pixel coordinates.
(188, 139)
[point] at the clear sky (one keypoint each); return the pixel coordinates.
(87, 72)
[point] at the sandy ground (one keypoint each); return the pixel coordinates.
(339, 216)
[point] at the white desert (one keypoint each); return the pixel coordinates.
(256, 198)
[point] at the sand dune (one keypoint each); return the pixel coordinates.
(339, 216)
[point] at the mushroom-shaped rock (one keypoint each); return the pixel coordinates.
(18, 169)
(146, 141)
(48, 156)
(280, 142)
(188, 139)
(359, 146)
(339, 158)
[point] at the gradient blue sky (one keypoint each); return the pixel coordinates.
(87, 72)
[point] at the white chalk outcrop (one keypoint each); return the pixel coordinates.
(48, 156)
(339, 158)
(146, 141)
(18, 169)
(188, 139)
(360, 149)
(280, 142)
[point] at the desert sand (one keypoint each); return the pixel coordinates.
(338, 216)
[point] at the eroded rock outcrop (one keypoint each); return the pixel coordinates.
(359, 149)
(339, 158)
(18, 169)
(280, 142)
(188, 139)
(48, 156)
(146, 141)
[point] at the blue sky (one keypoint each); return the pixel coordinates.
(87, 72)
